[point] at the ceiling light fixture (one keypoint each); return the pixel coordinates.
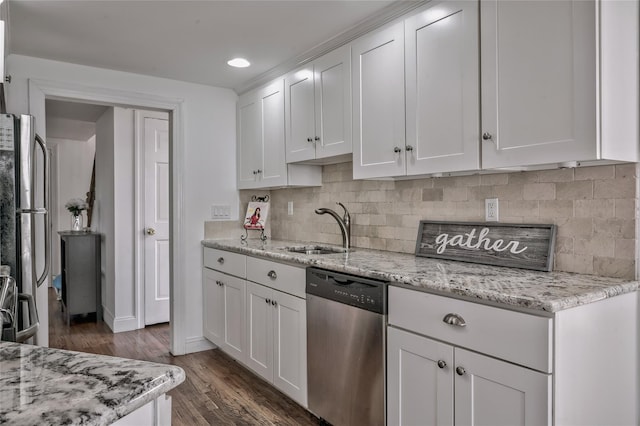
(239, 63)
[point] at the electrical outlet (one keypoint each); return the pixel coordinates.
(491, 209)
(290, 208)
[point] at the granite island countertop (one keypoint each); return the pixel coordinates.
(509, 287)
(45, 386)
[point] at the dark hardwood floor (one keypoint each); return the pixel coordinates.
(217, 390)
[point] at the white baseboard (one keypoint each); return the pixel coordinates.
(108, 317)
(118, 325)
(198, 344)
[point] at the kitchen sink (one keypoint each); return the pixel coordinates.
(316, 249)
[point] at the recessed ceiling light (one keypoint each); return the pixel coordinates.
(239, 62)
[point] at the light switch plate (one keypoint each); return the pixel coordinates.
(220, 212)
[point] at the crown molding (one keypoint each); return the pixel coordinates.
(382, 17)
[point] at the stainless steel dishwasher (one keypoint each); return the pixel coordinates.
(346, 320)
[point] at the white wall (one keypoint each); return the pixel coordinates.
(208, 164)
(74, 163)
(103, 210)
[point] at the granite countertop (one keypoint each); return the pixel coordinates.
(44, 386)
(509, 287)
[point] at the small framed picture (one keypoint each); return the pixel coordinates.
(256, 216)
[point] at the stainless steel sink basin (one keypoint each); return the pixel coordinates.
(315, 249)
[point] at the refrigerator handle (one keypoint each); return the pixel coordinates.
(47, 225)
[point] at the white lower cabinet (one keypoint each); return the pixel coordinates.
(258, 315)
(451, 361)
(427, 387)
(224, 313)
(276, 339)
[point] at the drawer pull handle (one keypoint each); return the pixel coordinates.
(441, 363)
(454, 319)
(272, 274)
(221, 260)
(460, 371)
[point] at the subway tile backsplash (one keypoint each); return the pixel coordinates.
(595, 209)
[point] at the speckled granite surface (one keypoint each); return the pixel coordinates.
(518, 288)
(44, 386)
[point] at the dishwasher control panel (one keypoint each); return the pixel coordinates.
(356, 291)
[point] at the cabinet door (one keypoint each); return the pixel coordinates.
(538, 82)
(419, 391)
(234, 316)
(493, 392)
(260, 330)
(442, 89)
(378, 104)
(249, 149)
(273, 170)
(290, 346)
(333, 103)
(300, 115)
(213, 308)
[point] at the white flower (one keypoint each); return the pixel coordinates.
(76, 205)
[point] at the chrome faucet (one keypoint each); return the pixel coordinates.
(344, 223)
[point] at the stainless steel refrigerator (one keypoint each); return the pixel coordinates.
(24, 225)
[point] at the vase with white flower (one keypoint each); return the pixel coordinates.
(76, 206)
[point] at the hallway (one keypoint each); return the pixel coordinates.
(217, 390)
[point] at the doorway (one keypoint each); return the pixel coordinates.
(39, 89)
(73, 160)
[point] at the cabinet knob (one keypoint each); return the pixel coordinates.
(267, 301)
(150, 231)
(397, 150)
(274, 303)
(254, 172)
(460, 371)
(487, 136)
(272, 274)
(258, 171)
(409, 148)
(317, 138)
(441, 363)
(220, 283)
(309, 140)
(221, 260)
(454, 319)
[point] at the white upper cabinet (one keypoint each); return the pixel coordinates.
(442, 89)
(543, 68)
(431, 61)
(261, 142)
(318, 108)
(378, 103)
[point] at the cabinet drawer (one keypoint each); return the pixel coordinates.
(286, 278)
(225, 261)
(513, 336)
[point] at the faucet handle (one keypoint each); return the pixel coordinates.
(346, 215)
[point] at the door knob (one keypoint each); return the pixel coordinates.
(150, 231)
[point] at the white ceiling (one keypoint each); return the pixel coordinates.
(190, 40)
(72, 120)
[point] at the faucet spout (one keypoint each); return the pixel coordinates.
(344, 223)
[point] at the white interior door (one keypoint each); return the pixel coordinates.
(155, 139)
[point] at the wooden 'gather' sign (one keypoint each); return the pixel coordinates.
(491, 243)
